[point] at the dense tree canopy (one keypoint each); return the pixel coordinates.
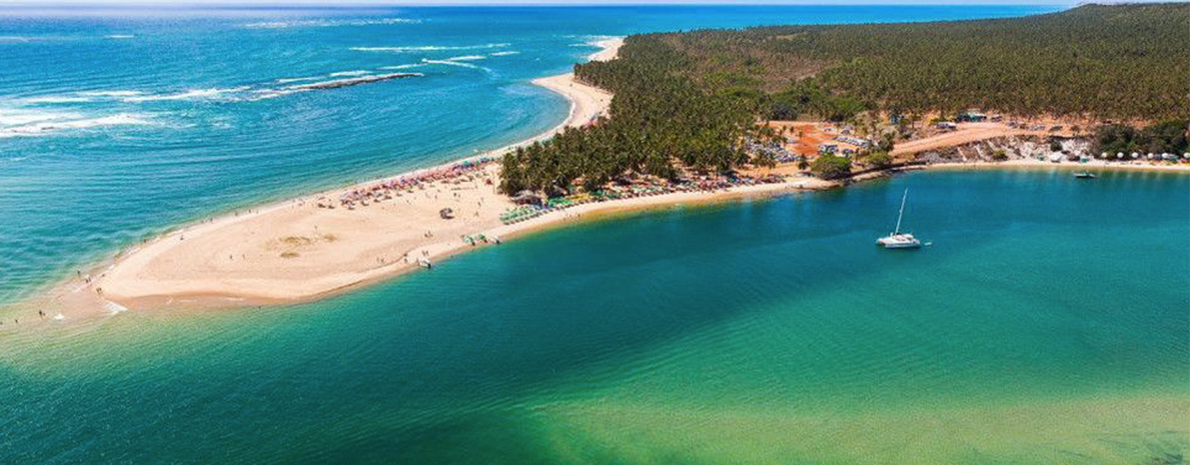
(691, 100)
(1120, 61)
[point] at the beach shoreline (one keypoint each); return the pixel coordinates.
(92, 293)
(300, 250)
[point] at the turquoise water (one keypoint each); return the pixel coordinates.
(118, 124)
(1047, 324)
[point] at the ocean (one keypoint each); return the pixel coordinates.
(116, 125)
(1047, 323)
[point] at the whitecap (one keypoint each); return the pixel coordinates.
(187, 95)
(505, 53)
(60, 124)
(351, 73)
(336, 83)
(453, 63)
(265, 94)
(329, 23)
(429, 48)
(56, 99)
(289, 80)
(18, 117)
(467, 58)
(111, 93)
(407, 66)
(120, 36)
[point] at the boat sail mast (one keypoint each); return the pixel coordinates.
(902, 213)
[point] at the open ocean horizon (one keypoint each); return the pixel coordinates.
(1048, 324)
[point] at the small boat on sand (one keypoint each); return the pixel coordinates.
(899, 240)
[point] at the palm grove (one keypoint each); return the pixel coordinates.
(690, 101)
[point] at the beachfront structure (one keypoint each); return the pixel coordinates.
(971, 117)
(527, 197)
(858, 142)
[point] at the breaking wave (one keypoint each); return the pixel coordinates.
(329, 23)
(66, 121)
(351, 73)
(289, 80)
(428, 48)
(407, 66)
(505, 53)
(467, 58)
(453, 63)
(188, 95)
(111, 93)
(337, 83)
(56, 99)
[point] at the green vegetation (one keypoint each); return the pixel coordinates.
(691, 101)
(1166, 137)
(1121, 61)
(877, 159)
(659, 122)
(831, 167)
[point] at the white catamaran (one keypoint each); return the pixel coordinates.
(897, 240)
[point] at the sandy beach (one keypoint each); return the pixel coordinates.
(298, 250)
(301, 249)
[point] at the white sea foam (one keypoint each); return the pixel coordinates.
(453, 63)
(505, 53)
(467, 58)
(18, 116)
(111, 93)
(121, 36)
(289, 80)
(336, 83)
(429, 48)
(265, 94)
(59, 124)
(57, 99)
(351, 73)
(329, 23)
(187, 95)
(407, 66)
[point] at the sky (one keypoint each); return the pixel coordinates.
(532, 2)
(184, 3)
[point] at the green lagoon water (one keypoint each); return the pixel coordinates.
(1048, 324)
